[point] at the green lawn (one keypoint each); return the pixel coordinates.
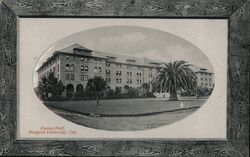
(164, 112)
(124, 106)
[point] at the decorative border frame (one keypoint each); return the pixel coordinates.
(236, 11)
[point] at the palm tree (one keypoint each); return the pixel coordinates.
(173, 77)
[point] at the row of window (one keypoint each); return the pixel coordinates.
(210, 79)
(86, 77)
(206, 84)
(83, 68)
(99, 70)
(206, 74)
(84, 59)
(118, 65)
(72, 67)
(72, 77)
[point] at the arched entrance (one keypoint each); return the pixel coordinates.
(79, 91)
(69, 90)
(79, 87)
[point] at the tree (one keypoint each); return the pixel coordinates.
(118, 91)
(51, 85)
(126, 87)
(42, 88)
(97, 85)
(145, 87)
(173, 77)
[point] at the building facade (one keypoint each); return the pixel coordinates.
(76, 64)
(205, 78)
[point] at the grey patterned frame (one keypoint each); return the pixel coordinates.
(236, 11)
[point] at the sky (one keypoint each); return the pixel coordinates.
(136, 42)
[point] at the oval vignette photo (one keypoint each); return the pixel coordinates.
(123, 78)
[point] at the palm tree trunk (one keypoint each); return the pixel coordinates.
(173, 95)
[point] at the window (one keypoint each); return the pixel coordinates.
(108, 80)
(54, 69)
(107, 71)
(72, 67)
(150, 74)
(108, 64)
(84, 77)
(67, 76)
(67, 57)
(150, 69)
(99, 69)
(205, 84)
(138, 81)
(72, 76)
(119, 73)
(67, 67)
(139, 68)
(210, 79)
(82, 68)
(201, 78)
(86, 68)
(58, 68)
(210, 84)
(129, 81)
(82, 59)
(205, 79)
(202, 84)
(95, 70)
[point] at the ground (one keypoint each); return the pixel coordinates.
(125, 114)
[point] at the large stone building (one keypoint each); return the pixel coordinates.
(205, 78)
(75, 64)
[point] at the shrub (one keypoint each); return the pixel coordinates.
(132, 92)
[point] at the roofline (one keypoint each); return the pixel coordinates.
(204, 72)
(133, 64)
(70, 54)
